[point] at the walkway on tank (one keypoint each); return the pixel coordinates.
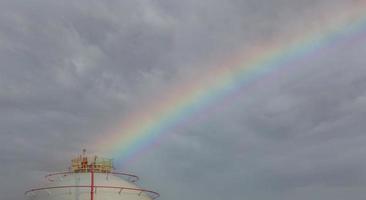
(130, 177)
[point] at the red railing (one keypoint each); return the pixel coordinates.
(150, 193)
(130, 177)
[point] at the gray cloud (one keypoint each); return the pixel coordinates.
(70, 70)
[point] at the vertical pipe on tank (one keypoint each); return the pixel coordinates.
(92, 182)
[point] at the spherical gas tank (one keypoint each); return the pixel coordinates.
(78, 186)
(86, 184)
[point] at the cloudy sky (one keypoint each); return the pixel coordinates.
(70, 70)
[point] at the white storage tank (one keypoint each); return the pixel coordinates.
(91, 178)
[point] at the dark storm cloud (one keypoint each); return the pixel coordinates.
(69, 70)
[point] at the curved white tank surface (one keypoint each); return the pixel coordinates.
(89, 183)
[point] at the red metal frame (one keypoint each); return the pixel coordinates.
(152, 194)
(132, 178)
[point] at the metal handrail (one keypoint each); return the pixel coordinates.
(133, 180)
(150, 193)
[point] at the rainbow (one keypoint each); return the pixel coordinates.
(142, 129)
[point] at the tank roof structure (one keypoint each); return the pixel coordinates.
(91, 178)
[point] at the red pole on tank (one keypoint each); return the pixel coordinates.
(92, 182)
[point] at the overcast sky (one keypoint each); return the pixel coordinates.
(70, 70)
